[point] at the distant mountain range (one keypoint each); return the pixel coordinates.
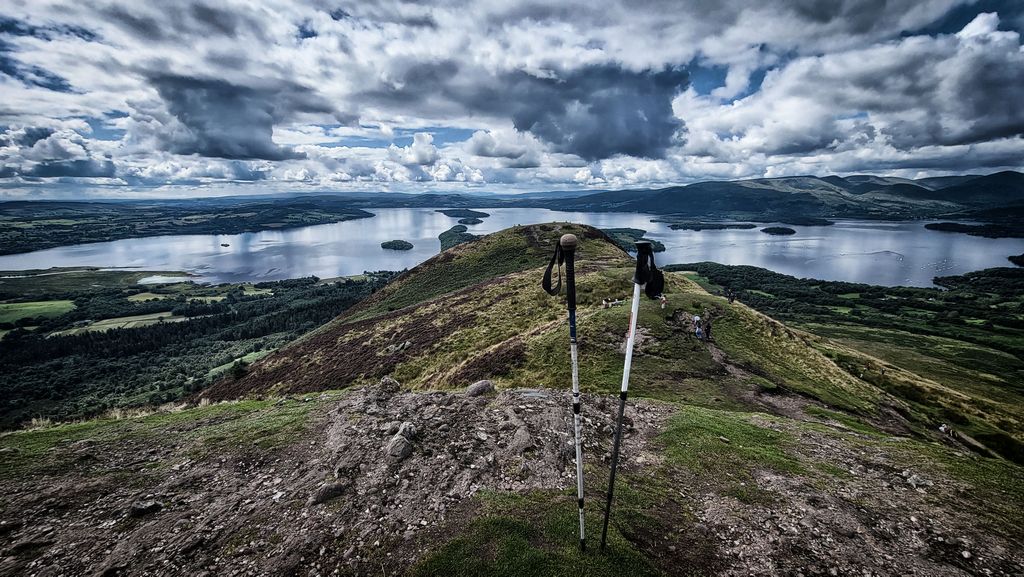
(992, 197)
(995, 197)
(811, 196)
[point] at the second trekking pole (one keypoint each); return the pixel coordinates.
(646, 278)
(565, 252)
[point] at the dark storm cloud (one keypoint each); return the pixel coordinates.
(33, 135)
(196, 19)
(231, 121)
(609, 112)
(416, 81)
(136, 24)
(987, 97)
(594, 112)
(857, 16)
(74, 168)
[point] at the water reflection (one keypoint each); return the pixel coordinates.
(885, 253)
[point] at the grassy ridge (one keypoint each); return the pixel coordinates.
(952, 356)
(477, 311)
(198, 432)
(494, 255)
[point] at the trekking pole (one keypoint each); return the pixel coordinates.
(647, 277)
(565, 252)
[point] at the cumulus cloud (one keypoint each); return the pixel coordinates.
(421, 151)
(52, 152)
(909, 95)
(523, 94)
(516, 149)
(221, 119)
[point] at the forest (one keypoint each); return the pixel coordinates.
(60, 368)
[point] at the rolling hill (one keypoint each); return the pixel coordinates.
(857, 196)
(362, 448)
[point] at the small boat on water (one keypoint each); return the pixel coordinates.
(224, 244)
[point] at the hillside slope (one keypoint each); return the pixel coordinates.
(477, 311)
(767, 451)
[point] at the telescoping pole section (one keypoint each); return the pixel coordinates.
(568, 243)
(622, 408)
(565, 251)
(644, 273)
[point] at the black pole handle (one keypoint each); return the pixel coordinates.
(568, 244)
(647, 273)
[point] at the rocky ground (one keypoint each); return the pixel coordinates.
(371, 487)
(382, 476)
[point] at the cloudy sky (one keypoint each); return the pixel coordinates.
(178, 98)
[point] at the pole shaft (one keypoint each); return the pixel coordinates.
(570, 294)
(630, 341)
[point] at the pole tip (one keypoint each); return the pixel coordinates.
(568, 241)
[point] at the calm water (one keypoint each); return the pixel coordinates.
(885, 253)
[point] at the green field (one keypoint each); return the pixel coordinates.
(130, 322)
(70, 280)
(244, 359)
(145, 296)
(12, 312)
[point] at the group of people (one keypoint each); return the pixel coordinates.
(609, 302)
(947, 430)
(702, 327)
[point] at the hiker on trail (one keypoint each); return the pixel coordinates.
(707, 329)
(731, 295)
(664, 301)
